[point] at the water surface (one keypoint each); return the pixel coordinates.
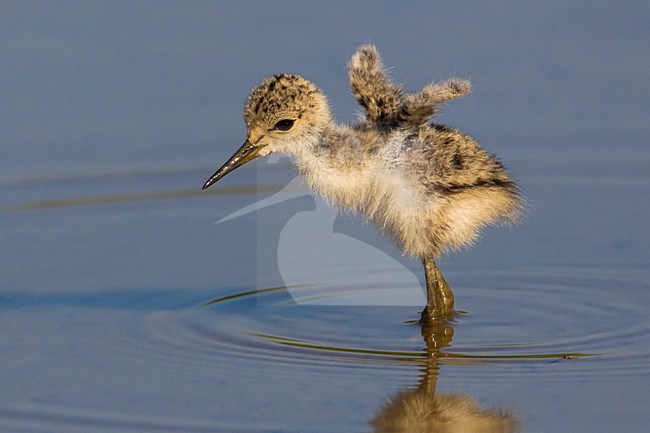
(124, 308)
(138, 313)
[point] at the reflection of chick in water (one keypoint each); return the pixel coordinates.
(418, 412)
(422, 411)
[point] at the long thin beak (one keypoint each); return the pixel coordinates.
(244, 154)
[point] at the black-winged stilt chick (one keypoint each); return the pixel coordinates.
(428, 187)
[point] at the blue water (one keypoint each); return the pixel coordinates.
(125, 308)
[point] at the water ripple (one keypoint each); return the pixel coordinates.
(534, 319)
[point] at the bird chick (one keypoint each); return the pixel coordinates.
(430, 188)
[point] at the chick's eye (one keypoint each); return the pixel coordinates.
(284, 125)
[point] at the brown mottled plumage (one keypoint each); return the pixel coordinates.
(386, 104)
(428, 187)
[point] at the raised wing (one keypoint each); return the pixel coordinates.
(385, 103)
(372, 87)
(419, 107)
